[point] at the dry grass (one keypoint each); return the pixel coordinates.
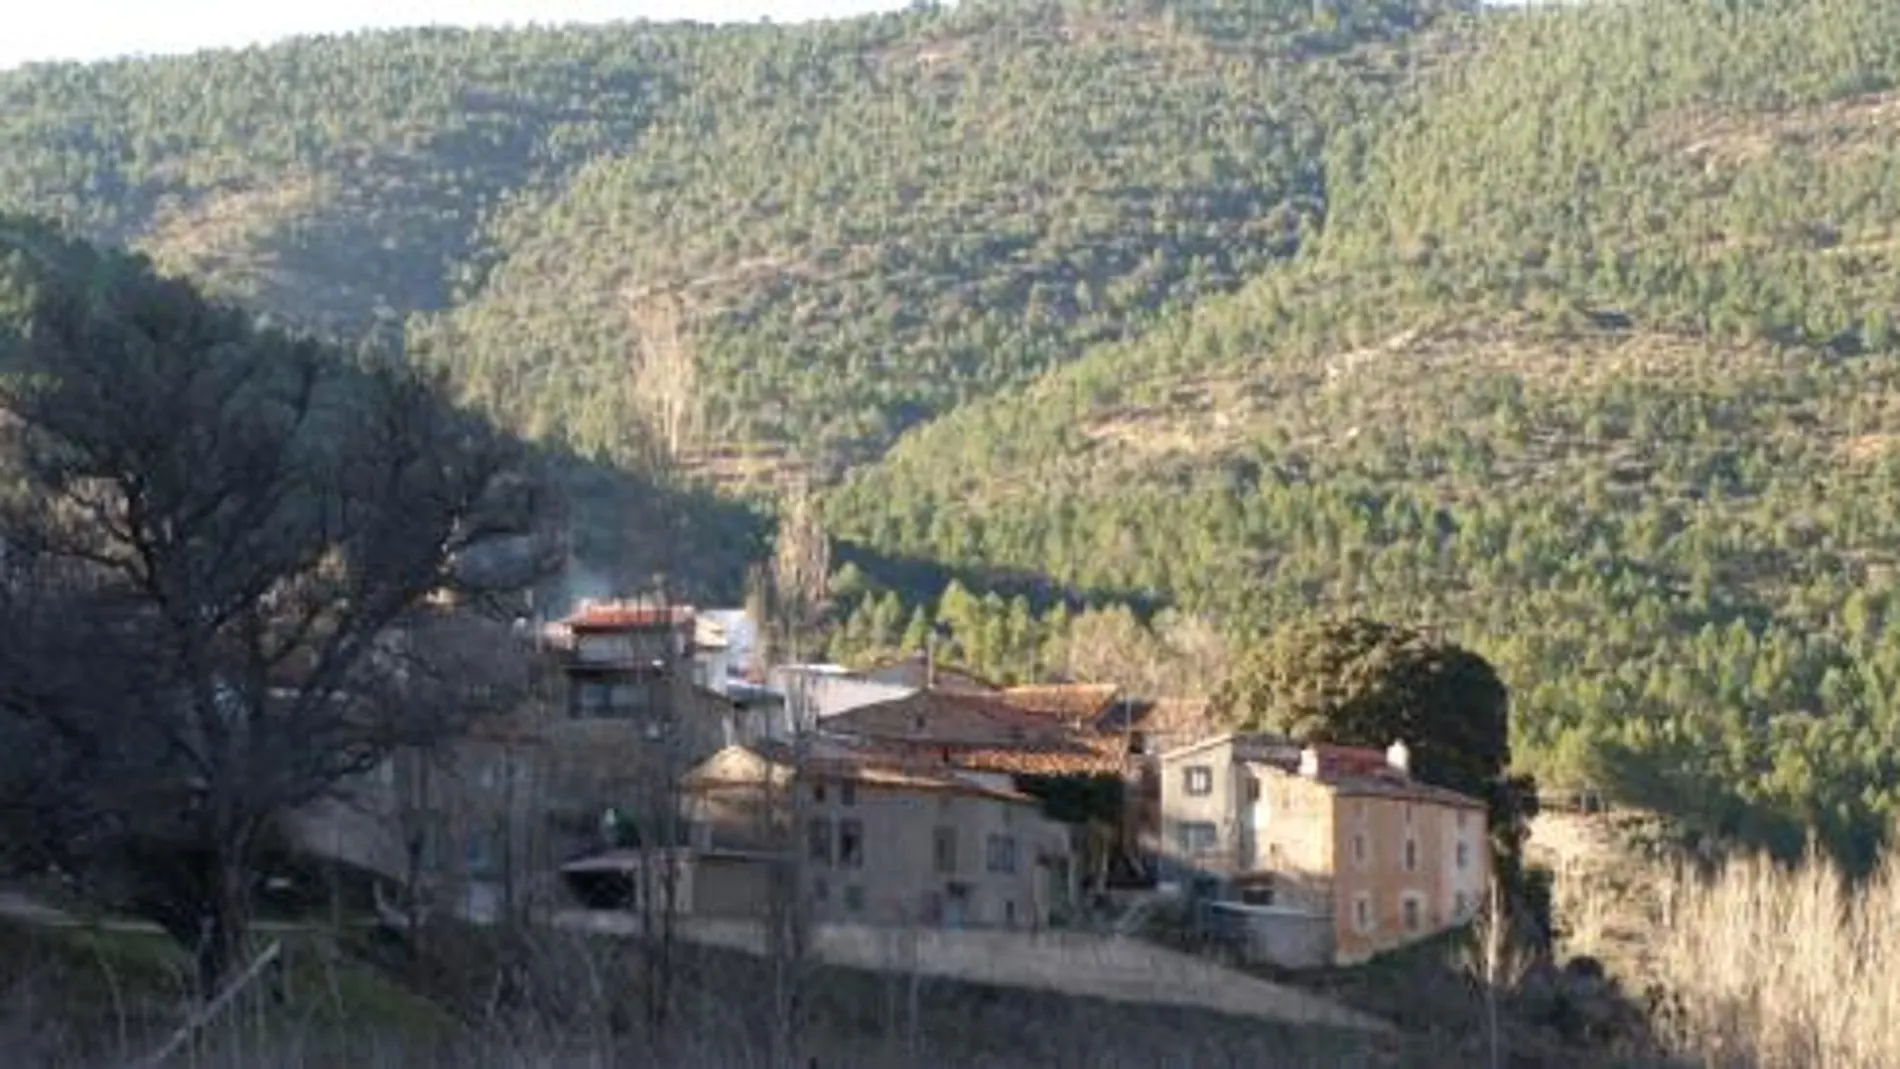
(1772, 966)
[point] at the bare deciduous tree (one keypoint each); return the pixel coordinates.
(801, 572)
(665, 380)
(233, 536)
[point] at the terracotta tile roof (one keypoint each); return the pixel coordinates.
(1344, 761)
(1408, 789)
(626, 616)
(870, 767)
(946, 716)
(1095, 760)
(977, 732)
(1072, 703)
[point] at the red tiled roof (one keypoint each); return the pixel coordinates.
(1349, 760)
(620, 616)
(946, 716)
(1074, 703)
(869, 767)
(976, 731)
(1408, 789)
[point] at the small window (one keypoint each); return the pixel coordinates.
(479, 854)
(820, 890)
(818, 834)
(850, 844)
(818, 791)
(1360, 852)
(1460, 905)
(1002, 853)
(1464, 855)
(1411, 855)
(1253, 788)
(1409, 908)
(1362, 913)
(1009, 912)
(1198, 780)
(946, 849)
(854, 897)
(1195, 836)
(847, 793)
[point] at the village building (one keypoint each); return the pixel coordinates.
(1320, 854)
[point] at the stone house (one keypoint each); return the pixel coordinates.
(874, 843)
(1327, 854)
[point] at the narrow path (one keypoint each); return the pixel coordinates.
(1117, 968)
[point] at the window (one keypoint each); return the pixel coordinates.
(1253, 788)
(1362, 912)
(818, 834)
(851, 844)
(596, 700)
(853, 897)
(847, 793)
(1409, 909)
(1258, 894)
(1197, 780)
(1195, 837)
(820, 890)
(1009, 913)
(1411, 855)
(1464, 855)
(1002, 853)
(946, 849)
(818, 791)
(1360, 852)
(479, 859)
(1460, 905)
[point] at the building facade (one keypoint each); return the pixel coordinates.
(1338, 844)
(876, 844)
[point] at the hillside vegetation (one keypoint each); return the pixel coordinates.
(1566, 331)
(869, 220)
(1592, 369)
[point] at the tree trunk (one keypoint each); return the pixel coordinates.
(224, 923)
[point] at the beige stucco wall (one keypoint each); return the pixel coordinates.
(1383, 880)
(1296, 841)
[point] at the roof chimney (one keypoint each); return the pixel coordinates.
(930, 663)
(1399, 756)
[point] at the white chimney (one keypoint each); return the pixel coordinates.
(1399, 756)
(1309, 763)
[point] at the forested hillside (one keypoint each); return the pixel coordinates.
(1568, 332)
(1594, 371)
(868, 221)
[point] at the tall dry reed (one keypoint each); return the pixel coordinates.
(1768, 965)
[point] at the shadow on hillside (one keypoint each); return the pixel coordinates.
(553, 984)
(1550, 1015)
